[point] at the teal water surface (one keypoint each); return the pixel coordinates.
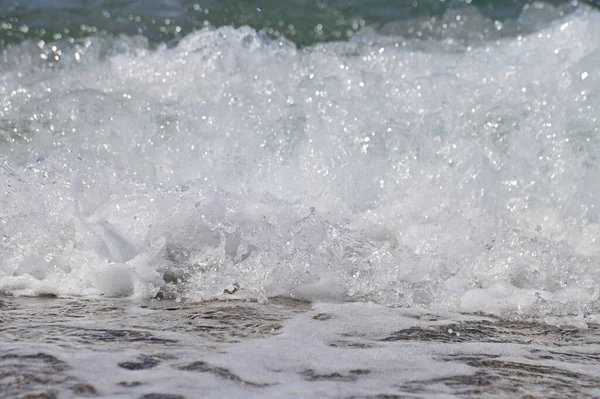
(302, 21)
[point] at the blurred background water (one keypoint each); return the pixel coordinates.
(302, 21)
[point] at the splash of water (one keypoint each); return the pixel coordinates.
(405, 171)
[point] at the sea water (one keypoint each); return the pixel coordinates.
(440, 164)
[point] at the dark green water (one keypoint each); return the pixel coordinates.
(302, 21)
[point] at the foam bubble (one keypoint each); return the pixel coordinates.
(386, 168)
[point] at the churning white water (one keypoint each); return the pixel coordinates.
(458, 173)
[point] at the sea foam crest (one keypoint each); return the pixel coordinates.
(386, 168)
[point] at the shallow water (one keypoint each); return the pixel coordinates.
(76, 347)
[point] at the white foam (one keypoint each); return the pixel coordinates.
(385, 168)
